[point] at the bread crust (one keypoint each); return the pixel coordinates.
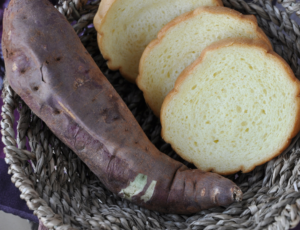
(102, 10)
(104, 6)
(186, 16)
(99, 18)
(258, 44)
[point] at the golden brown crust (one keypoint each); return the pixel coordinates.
(214, 10)
(109, 61)
(186, 16)
(258, 44)
(102, 10)
(99, 18)
(219, 3)
(263, 36)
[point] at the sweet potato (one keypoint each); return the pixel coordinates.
(49, 68)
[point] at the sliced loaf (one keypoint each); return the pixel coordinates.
(125, 28)
(182, 40)
(237, 106)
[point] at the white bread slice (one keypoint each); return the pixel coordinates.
(181, 41)
(236, 107)
(125, 28)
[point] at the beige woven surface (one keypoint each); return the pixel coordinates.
(64, 194)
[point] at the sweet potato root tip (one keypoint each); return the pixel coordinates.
(237, 194)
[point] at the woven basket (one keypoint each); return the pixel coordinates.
(64, 194)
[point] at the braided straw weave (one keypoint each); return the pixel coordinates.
(64, 194)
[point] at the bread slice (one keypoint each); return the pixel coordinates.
(236, 107)
(125, 28)
(181, 41)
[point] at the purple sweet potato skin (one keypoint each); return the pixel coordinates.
(49, 68)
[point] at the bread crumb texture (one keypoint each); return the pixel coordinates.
(128, 26)
(235, 108)
(182, 42)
